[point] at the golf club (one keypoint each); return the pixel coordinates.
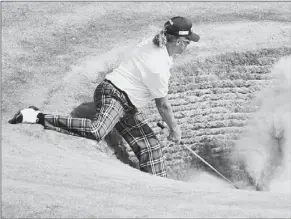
(200, 158)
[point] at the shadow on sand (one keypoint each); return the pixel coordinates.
(113, 139)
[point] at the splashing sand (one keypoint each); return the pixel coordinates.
(265, 149)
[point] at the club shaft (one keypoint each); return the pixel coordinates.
(204, 161)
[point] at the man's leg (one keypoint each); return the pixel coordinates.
(108, 112)
(135, 130)
(106, 117)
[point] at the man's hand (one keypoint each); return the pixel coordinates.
(166, 112)
(175, 134)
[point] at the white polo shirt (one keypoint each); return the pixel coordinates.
(145, 74)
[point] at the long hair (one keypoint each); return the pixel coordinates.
(162, 38)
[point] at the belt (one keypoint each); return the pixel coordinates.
(125, 94)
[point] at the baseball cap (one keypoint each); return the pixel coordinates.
(182, 27)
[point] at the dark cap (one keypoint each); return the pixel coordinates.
(182, 27)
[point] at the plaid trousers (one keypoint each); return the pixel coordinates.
(114, 109)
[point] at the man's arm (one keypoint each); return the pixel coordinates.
(166, 112)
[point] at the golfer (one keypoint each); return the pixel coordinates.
(138, 80)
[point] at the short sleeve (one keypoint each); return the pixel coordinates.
(157, 83)
(154, 67)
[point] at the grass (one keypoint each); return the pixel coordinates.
(223, 65)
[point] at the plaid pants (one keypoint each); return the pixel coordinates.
(114, 109)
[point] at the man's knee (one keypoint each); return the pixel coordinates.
(98, 133)
(152, 161)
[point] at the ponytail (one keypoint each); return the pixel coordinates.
(162, 38)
